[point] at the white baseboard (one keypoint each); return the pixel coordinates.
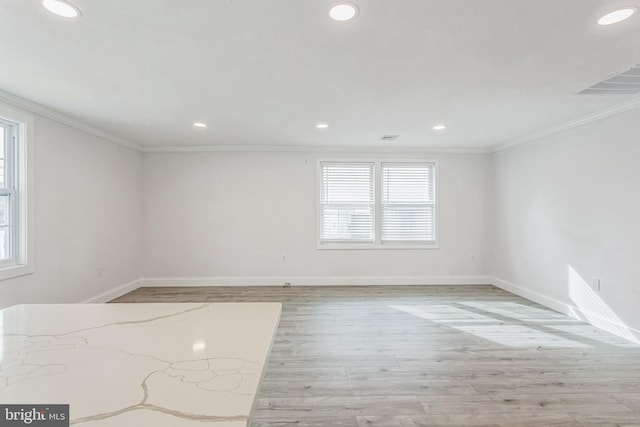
(115, 293)
(531, 295)
(570, 310)
(316, 281)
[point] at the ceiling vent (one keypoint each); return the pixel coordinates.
(626, 83)
(389, 137)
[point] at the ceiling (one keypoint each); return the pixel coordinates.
(264, 72)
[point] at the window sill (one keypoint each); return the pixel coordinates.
(373, 246)
(15, 270)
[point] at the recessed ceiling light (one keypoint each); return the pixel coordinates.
(61, 8)
(199, 345)
(617, 16)
(439, 127)
(322, 125)
(343, 11)
(200, 125)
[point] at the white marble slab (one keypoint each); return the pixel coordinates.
(138, 364)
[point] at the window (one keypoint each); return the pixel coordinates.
(16, 250)
(7, 192)
(376, 204)
(408, 203)
(346, 202)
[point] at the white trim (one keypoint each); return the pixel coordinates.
(570, 310)
(316, 281)
(534, 136)
(314, 149)
(43, 111)
(530, 295)
(114, 293)
(47, 112)
(333, 246)
(570, 124)
(25, 200)
(236, 281)
(377, 243)
(346, 244)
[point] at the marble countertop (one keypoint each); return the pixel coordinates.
(138, 364)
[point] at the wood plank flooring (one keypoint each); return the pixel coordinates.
(431, 356)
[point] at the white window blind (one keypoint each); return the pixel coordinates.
(346, 202)
(408, 202)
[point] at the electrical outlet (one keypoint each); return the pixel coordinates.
(283, 258)
(596, 284)
(474, 257)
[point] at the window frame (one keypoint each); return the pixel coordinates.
(22, 194)
(377, 211)
(372, 205)
(11, 131)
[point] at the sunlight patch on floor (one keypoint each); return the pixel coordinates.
(489, 328)
(520, 336)
(593, 309)
(517, 311)
(442, 313)
(593, 333)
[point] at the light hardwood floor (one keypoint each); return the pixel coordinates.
(431, 356)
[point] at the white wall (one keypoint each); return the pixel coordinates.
(567, 210)
(564, 210)
(87, 215)
(229, 218)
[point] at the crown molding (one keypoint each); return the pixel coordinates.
(47, 112)
(57, 116)
(613, 110)
(616, 109)
(312, 149)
